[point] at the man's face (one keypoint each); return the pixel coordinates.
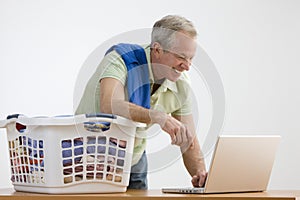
(179, 57)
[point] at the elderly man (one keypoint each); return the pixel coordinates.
(149, 84)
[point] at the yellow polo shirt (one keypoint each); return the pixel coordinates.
(170, 97)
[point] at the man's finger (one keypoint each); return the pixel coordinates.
(172, 136)
(179, 136)
(202, 178)
(195, 181)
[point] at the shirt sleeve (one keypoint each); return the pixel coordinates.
(113, 66)
(185, 109)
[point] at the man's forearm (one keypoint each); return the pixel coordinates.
(192, 155)
(134, 112)
(193, 158)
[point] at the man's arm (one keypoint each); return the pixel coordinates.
(180, 128)
(192, 155)
(112, 98)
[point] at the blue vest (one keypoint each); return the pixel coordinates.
(138, 85)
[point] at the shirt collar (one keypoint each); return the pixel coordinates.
(167, 84)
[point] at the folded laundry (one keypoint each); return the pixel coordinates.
(93, 149)
(96, 126)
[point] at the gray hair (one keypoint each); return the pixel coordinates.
(163, 31)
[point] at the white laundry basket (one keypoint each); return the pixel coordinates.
(70, 154)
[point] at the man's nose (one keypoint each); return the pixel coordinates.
(186, 65)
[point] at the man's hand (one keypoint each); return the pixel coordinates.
(199, 179)
(179, 133)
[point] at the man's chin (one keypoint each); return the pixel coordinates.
(174, 79)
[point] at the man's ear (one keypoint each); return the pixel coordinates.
(157, 50)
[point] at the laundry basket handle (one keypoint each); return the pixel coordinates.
(69, 120)
(112, 118)
(105, 115)
(9, 119)
(13, 116)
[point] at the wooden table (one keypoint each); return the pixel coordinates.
(11, 194)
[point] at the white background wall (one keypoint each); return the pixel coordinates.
(254, 44)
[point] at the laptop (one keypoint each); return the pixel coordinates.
(240, 163)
